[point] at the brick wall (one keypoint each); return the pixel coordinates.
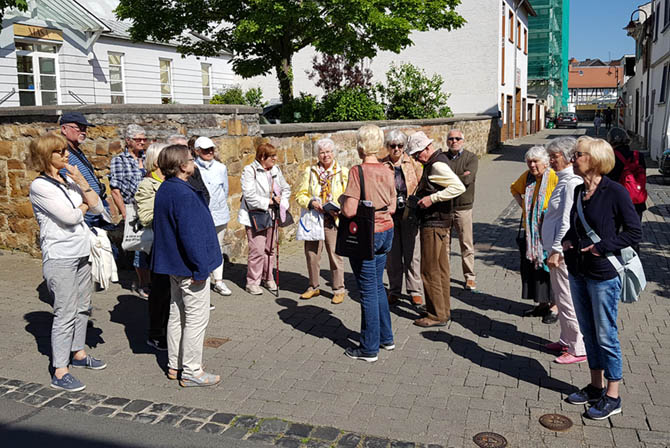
(235, 130)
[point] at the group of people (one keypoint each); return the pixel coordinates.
(570, 189)
(419, 194)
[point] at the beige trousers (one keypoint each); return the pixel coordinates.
(463, 225)
(313, 255)
(189, 316)
(405, 258)
(570, 334)
(217, 274)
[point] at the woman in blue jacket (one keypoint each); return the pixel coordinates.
(185, 248)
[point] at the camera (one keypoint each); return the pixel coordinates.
(401, 202)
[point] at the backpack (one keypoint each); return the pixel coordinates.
(633, 177)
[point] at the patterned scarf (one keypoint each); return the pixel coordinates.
(326, 182)
(534, 214)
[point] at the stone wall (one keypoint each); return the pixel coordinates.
(235, 130)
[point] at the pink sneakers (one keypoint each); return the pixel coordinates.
(556, 347)
(569, 358)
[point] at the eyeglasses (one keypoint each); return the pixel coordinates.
(139, 140)
(62, 151)
(77, 127)
(577, 155)
(396, 146)
(450, 139)
(415, 156)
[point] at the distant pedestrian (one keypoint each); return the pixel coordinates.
(464, 164)
(437, 187)
(59, 202)
(623, 155)
(609, 116)
(597, 121)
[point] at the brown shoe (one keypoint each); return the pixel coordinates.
(310, 293)
(417, 300)
(470, 285)
(392, 298)
(338, 298)
(427, 322)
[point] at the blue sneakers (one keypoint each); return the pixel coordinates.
(604, 408)
(89, 363)
(589, 394)
(68, 383)
(357, 353)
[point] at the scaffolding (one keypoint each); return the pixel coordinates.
(548, 35)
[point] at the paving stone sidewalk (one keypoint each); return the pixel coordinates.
(284, 359)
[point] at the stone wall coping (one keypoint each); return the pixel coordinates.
(55, 111)
(305, 128)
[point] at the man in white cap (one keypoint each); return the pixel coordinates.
(437, 187)
(215, 177)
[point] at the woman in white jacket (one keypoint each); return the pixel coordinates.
(265, 193)
(554, 227)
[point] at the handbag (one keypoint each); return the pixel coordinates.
(260, 220)
(630, 270)
(310, 226)
(356, 235)
(135, 236)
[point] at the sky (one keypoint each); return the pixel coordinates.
(596, 28)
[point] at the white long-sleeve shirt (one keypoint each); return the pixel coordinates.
(443, 176)
(557, 217)
(63, 232)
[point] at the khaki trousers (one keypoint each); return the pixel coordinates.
(313, 255)
(189, 316)
(405, 258)
(463, 225)
(435, 272)
(567, 318)
(217, 274)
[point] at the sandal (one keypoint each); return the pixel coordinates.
(205, 379)
(172, 374)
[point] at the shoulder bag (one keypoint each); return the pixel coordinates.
(136, 236)
(630, 270)
(356, 235)
(310, 225)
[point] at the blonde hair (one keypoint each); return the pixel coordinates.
(42, 148)
(151, 157)
(601, 153)
(369, 139)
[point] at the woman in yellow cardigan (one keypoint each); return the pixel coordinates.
(323, 183)
(532, 191)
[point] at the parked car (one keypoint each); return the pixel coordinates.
(664, 163)
(567, 119)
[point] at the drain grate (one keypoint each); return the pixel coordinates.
(489, 440)
(215, 342)
(556, 422)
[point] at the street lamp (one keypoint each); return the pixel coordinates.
(631, 24)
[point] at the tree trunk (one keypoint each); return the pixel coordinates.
(285, 77)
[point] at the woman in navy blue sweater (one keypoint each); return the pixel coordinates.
(594, 282)
(185, 248)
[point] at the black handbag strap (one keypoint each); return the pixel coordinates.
(58, 185)
(360, 174)
(88, 165)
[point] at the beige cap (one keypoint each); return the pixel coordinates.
(417, 142)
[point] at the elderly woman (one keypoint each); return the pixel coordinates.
(159, 296)
(59, 203)
(554, 227)
(405, 256)
(186, 249)
(265, 193)
(594, 282)
(376, 329)
(322, 183)
(532, 191)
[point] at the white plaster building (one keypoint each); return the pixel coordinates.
(484, 64)
(59, 52)
(647, 93)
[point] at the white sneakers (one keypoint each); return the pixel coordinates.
(221, 288)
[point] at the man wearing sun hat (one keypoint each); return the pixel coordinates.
(437, 187)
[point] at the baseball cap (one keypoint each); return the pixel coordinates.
(417, 142)
(74, 117)
(203, 143)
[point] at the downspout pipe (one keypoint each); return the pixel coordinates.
(516, 14)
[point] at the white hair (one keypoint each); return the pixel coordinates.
(176, 139)
(151, 156)
(325, 143)
(395, 136)
(134, 129)
(537, 153)
(562, 145)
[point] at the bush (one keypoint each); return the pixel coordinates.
(235, 95)
(300, 110)
(254, 97)
(410, 93)
(332, 73)
(350, 104)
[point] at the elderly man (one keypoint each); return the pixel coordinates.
(437, 187)
(125, 173)
(464, 164)
(73, 126)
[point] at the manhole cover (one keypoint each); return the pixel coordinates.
(489, 440)
(556, 422)
(215, 342)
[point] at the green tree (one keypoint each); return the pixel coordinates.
(21, 5)
(265, 34)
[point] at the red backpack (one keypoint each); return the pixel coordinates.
(633, 177)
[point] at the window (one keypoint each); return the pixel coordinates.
(116, 77)
(664, 85)
(666, 16)
(657, 22)
(525, 40)
(166, 80)
(36, 66)
(206, 70)
(511, 26)
(518, 34)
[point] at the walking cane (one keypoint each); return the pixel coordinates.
(275, 229)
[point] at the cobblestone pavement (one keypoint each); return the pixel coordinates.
(284, 359)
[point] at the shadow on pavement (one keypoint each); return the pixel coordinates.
(316, 321)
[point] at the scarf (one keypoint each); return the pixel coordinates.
(326, 182)
(534, 213)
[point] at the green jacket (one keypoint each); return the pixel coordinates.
(467, 161)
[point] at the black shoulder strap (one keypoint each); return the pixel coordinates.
(360, 174)
(58, 185)
(82, 158)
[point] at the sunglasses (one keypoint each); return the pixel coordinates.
(77, 127)
(450, 139)
(577, 155)
(396, 146)
(139, 140)
(62, 151)
(207, 150)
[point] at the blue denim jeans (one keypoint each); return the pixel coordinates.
(375, 314)
(596, 305)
